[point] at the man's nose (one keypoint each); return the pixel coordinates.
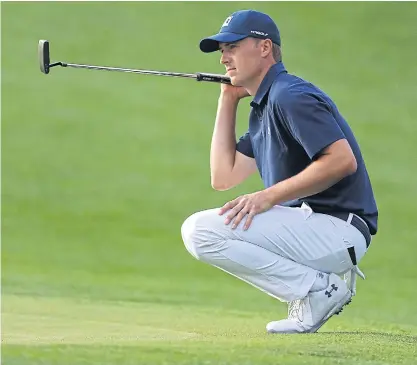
(224, 59)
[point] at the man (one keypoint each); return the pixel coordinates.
(313, 222)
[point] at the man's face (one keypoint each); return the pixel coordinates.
(242, 60)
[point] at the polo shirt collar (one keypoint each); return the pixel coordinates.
(267, 81)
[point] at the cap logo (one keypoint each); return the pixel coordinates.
(227, 21)
(259, 33)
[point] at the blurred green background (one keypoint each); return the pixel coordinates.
(99, 170)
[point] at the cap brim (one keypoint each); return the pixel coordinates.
(211, 44)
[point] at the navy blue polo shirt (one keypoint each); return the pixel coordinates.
(290, 123)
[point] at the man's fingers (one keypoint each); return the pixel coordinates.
(239, 217)
(233, 212)
(225, 208)
(249, 220)
(228, 205)
(231, 204)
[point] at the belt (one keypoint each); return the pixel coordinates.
(359, 224)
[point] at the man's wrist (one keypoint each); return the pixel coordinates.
(272, 194)
(228, 98)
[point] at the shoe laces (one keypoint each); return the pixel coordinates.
(295, 310)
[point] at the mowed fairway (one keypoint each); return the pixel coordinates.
(99, 170)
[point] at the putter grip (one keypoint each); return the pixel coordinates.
(213, 78)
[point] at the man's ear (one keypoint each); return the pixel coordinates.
(266, 45)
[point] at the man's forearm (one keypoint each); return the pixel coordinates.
(317, 177)
(223, 143)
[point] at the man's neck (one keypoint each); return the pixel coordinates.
(253, 87)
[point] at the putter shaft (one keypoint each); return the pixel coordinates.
(143, 72)
(45, 65)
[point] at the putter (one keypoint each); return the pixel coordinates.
(45, 66)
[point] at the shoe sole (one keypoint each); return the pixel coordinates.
(335, 310)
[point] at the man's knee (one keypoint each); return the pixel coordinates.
(200, 233)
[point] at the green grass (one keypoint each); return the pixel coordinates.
(99, 170)
(50, 330)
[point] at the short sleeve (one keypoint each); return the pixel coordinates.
(310, 122)
(244, 145)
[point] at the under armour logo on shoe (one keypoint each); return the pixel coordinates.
(329, 293)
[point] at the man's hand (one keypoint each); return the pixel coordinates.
(249, 205)
(233, 92)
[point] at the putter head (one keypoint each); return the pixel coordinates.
(43, 55)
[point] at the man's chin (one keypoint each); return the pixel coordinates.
(235, 81)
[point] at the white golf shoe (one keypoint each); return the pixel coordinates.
(310, 313)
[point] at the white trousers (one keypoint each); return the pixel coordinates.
(282, 251)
